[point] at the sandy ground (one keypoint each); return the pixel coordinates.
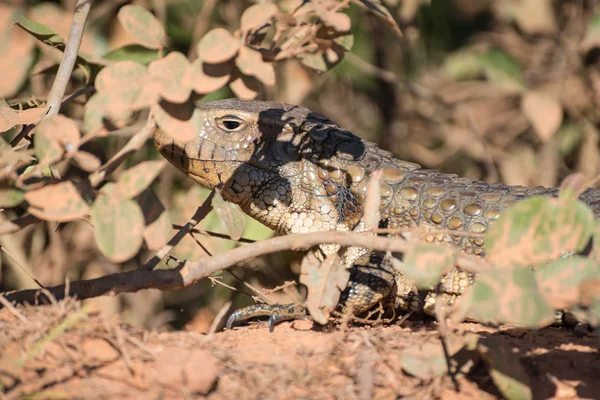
(65, 352)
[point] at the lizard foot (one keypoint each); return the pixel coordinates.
(275, 312)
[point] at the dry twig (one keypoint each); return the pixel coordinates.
(190, 272)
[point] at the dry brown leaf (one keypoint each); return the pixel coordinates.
(207, 78)
(54, 136)
(137, 178)
(142, 26)
(8, 118)
(32, 115)
(257, 16)
(59, 202)
(86, 161)
(250, 62)
(127, 85)
(325, 282)
(245, 87)
(217, 46)
(544, 112)
(180, 122)
(173, 73)
(16, 55)
(338, 21)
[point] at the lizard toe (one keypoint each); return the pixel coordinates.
(276, 313)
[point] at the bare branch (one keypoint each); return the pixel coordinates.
(190, 272)
(57, 92)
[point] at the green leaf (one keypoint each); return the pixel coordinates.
(50, 38)
(137, 179)
(118, 226)
(133, 52)
(425, 264)
(346, 41)
(158, 228)
(40, 31)
(559, 280)
(54, 136)
(502, 69)
(506, 370)
(142, 26)
(508, 295)
(10, 197)
(425, 362)
(233, 218)
(325, 282)
(463, 65)
(539, 229)
(60, 202)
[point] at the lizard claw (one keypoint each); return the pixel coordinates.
(275, 312)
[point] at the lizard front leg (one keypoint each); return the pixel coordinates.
(372, 282)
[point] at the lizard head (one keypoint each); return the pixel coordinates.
(232, 133)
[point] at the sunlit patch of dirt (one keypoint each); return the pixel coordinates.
(64, 351)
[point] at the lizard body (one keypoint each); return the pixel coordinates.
(296, 171)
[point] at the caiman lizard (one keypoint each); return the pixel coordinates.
(296, 171)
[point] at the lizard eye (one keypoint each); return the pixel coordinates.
(230, 123)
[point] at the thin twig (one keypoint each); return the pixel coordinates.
(444, 335)
(77, 93)
(363, 66)
(214, 234)
(12, 309)
(198, 216)
(134, 144)
(57, 92)
(24, 133)
(190, 272)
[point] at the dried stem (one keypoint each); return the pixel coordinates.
(190, 272)
(57, 92)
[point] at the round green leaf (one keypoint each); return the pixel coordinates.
(142, 26)
(10, 197)
(54, 136)
(136, 179)
(425, 264)
(217, 46)
(118, 226)
(59, 202)
(559, 280)
(508, 295)
(539, 229)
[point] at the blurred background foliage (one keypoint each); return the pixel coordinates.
(504, 90)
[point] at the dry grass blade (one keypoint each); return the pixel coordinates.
(371, 214)
(12, 309)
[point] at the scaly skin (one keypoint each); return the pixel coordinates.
(296, 171)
